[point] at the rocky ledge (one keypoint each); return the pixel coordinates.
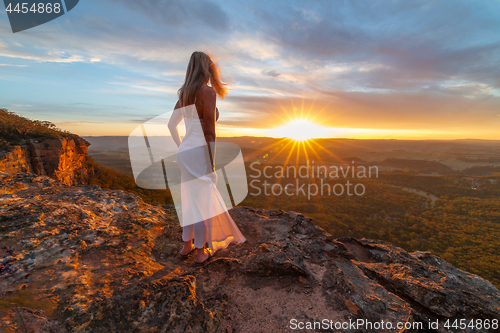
(83, 259)
(62, 159)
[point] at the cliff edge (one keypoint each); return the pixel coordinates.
(61, 158)
(84, 259)
(41, 148)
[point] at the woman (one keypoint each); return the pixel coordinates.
(204, 214)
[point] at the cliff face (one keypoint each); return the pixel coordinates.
(83, 259)
(62, 159)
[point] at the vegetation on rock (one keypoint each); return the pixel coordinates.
(15, 128)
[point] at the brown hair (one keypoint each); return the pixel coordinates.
(200, 70)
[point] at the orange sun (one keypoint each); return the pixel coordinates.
(301, 130)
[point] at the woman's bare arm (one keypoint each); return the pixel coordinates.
(175, 119)
(209, 98)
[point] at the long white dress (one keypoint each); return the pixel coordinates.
(204, 213)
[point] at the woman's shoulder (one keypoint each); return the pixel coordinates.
(207, 91)
(207, 96)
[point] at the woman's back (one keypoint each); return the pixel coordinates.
(205, 103)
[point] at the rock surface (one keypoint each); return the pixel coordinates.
(62, 159)
(83, 259)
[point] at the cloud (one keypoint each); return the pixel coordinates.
(271, 73)
(143, 119)
(146, 85)
(417, 41)
(418, 63)
(78, 123)
(47, 57)
(11, 65)
(180, 14)
(364, 110)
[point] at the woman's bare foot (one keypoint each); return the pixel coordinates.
(187, 248)
(202, 255)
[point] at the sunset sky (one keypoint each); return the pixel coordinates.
(356, 69)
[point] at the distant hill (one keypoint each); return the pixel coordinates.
(481, 170)
(107, 142)
(421, 166)
(422, 156)
(353, 159)
(336, 144)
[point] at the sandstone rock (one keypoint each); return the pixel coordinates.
(62, 159)
(13, 159)
(160, 305)
(272, 259)
(107, 262)
(29, 320)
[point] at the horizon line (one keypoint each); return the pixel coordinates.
(329, 138)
